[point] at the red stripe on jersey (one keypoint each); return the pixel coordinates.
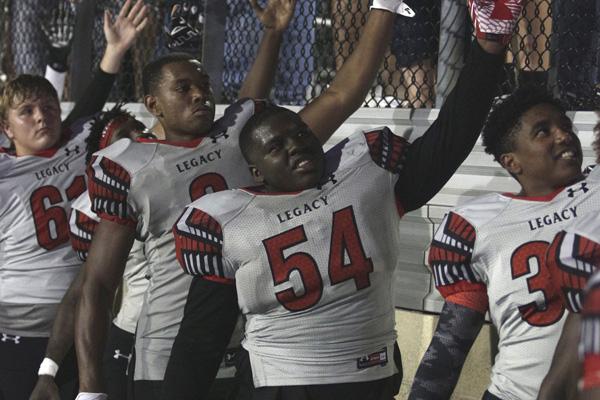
(198, 246)
(450, 257)
(472, 290)
(476, 300)
(118, 220)
(462, 228)
(592, 302)
(108, 191)
(81, 244)
(571, 267)
(386, 149)
(591, 372)
(217, 279)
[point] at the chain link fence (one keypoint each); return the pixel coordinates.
(556, 45)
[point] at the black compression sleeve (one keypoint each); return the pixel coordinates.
(440, 367)
(94, 99)
(208, 321)
(434, 157)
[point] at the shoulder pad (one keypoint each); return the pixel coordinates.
(130, 155)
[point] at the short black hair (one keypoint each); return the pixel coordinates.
(504, 120)
(152, 72)
(98, 124)
(256, 121)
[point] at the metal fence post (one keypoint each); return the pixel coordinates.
(81, 50)
(213, 45)
(452, 47)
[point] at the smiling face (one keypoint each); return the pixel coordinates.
(33, 125)
(183, 101)
(547, 154)
(284, 154)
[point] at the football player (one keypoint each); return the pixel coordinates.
(571, 259)
(139, 189)
(309, 253)
(39, 177)
(489, 254)
(107, 128)
(589, 350)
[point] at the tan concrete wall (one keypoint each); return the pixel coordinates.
(415, 330)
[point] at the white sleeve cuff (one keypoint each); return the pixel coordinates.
(91, 396)
(48, 367)
(395, 6)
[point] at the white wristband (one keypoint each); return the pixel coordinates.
(395, 6)
(48, 367)
(91, 396)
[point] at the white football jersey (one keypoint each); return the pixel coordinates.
(145, 185)
(82, 225)
(496, 245)
(313, 270)
(589, 346)
(37, 263)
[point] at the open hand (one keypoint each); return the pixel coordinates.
(122, 31)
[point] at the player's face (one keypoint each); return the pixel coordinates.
(34, 125)
(287, 156)
(547, 153)
(184, 102)
(130, 129)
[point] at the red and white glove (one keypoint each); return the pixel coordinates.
(495, 19)
(395, 6)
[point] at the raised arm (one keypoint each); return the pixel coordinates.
(209, 318)
(120, 33)
(434, 157)
(104, 270)
(347, 92)
(442, 363)
(275, 18)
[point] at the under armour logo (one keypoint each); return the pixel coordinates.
(6, 338)
(582, 187)
(118, 355)
(330, 178)
(219, 135)
(69, 151)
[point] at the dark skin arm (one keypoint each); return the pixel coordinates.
(104, 271)
(275, 18)
(61, 339)
(120, 35)
(352, 82)
(561, 380)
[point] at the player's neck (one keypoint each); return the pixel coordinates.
(542, 190)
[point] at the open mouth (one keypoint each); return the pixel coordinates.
(568, 155)
(304, 164)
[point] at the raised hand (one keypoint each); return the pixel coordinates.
(58, 29)
(122, 31)
(184, 31)
(495, 20)
(276, 15)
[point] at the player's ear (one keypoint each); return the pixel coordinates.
(510, 162)
(258, 177)
(5, 129)
(152, 105)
